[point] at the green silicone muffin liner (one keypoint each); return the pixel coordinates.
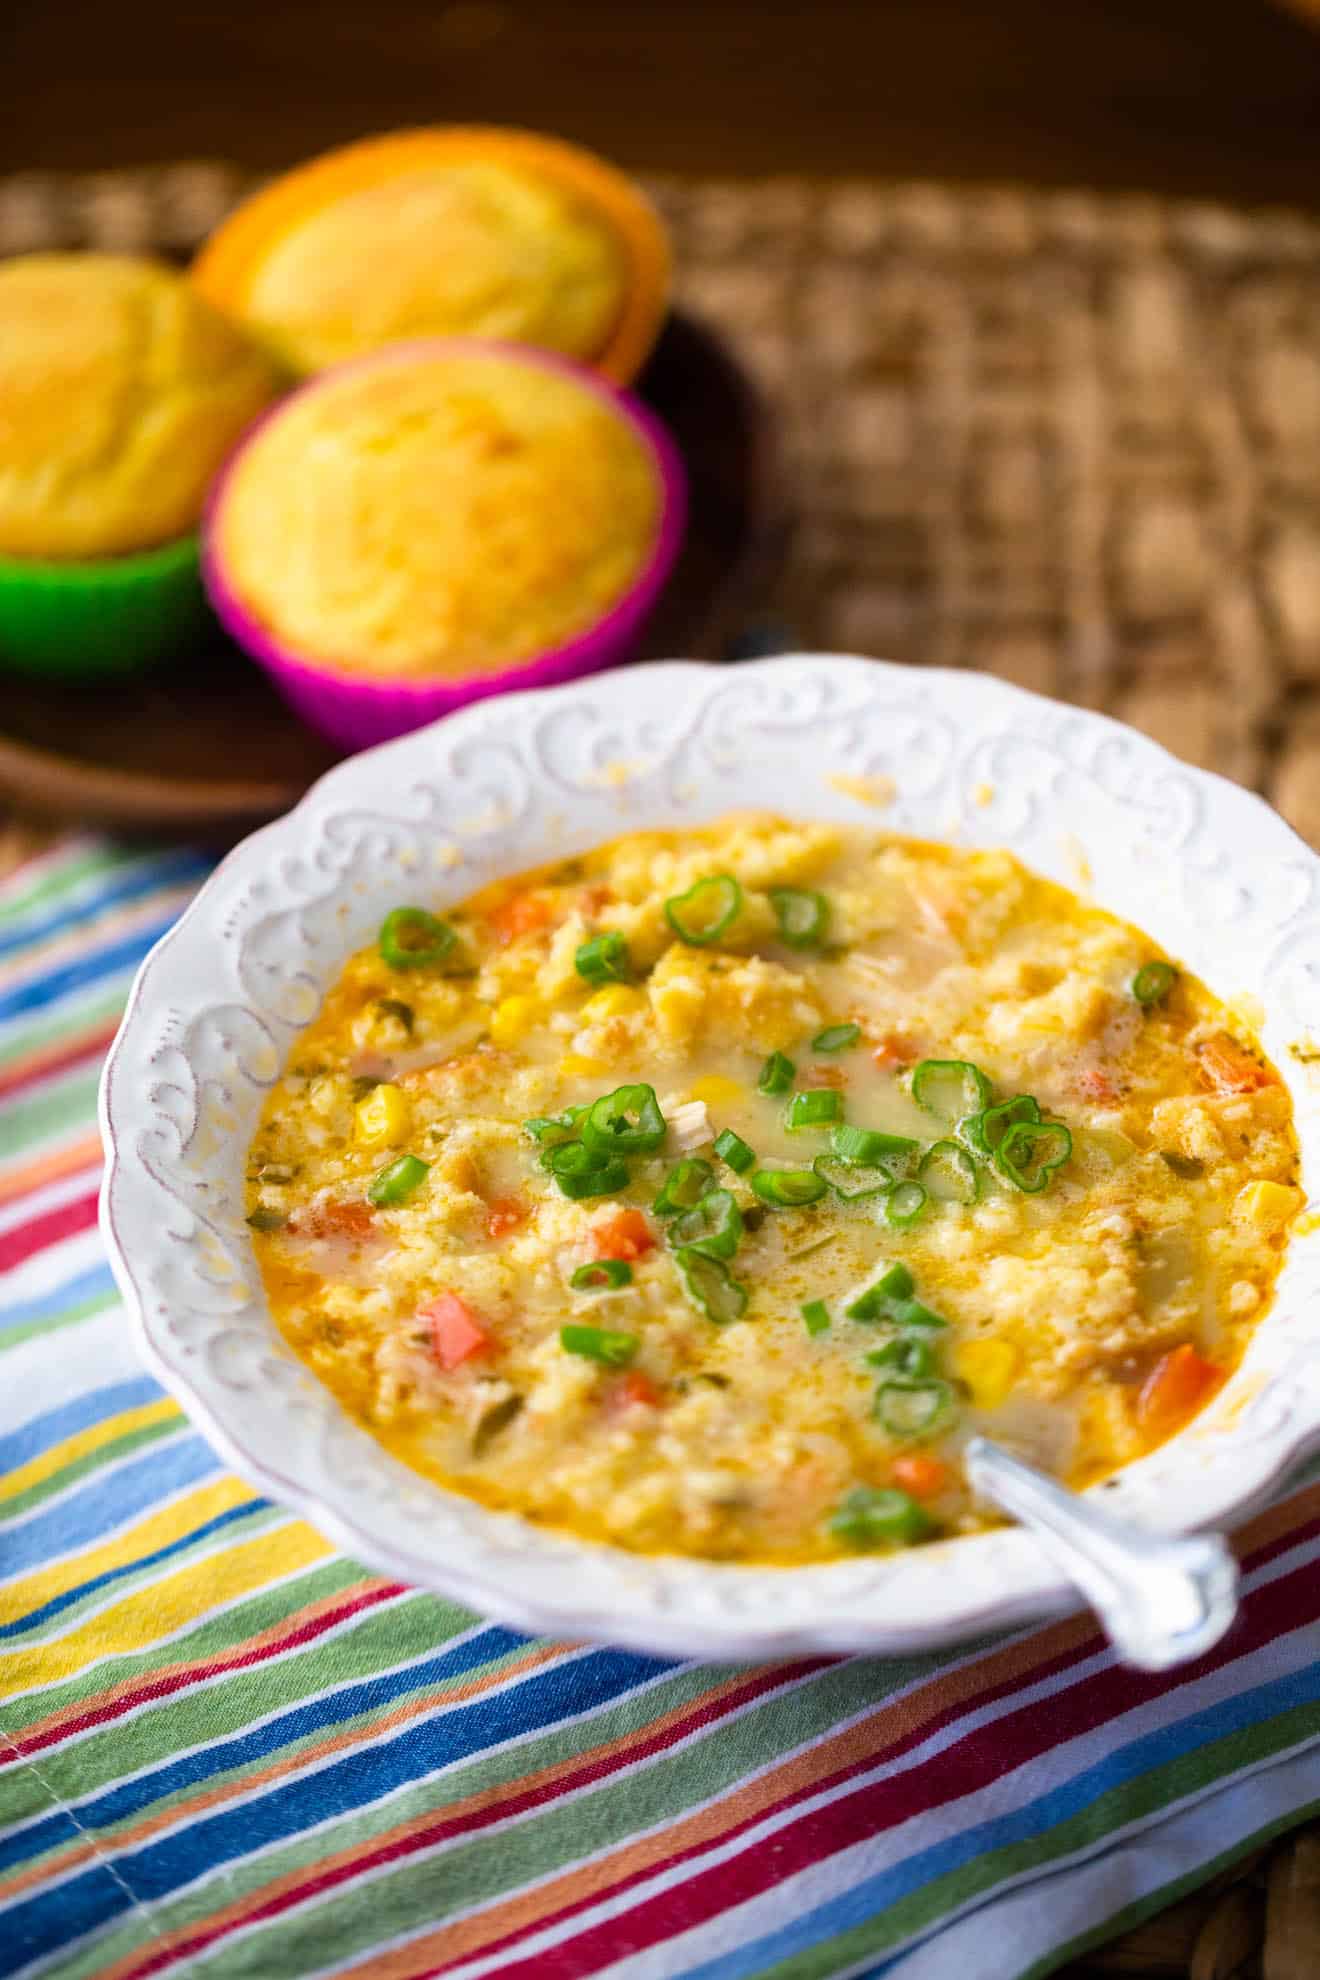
(114, 615)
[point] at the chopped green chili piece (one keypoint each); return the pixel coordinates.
(786, 1189)
(836, 1038)
(731, 1148)
(814, 1109)
(877, 1302)
(913, 1409)
(1030, 1153)
(950, 1088)
(265, 1219)
(410, 938)
(714, 1227)
(1153, 982)
(905, 1203)
(599, 1344)
(817, 1316)
(912, 1357)
(983, 1132)
(879, 1516)
(394, 1007)
(602, 1275)
(701, 916)
(949, 1173)
(777, 1074)
(397, 1181)
(709, 1285)
(582, 1172)
(625, 1122)
(869, 1146)
(603, 959)
(851, 1181)
(686, 1184)
(803, 917)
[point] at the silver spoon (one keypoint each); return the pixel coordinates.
(1161, 1601)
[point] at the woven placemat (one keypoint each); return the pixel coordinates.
(1071, 440)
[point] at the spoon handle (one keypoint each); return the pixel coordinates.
(1162, 1601)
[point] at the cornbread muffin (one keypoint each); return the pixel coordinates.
(121, 391)
(436, 513)
(449, 249)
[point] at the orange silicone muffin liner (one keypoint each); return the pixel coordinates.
(225, 267)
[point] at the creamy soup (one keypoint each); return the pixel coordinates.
(704, 1194)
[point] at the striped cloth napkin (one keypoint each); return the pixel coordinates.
(226, 1750)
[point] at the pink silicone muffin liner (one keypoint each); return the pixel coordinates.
(356, 713)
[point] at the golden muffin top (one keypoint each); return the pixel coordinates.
(121, 391)
(450, 248)
(436, 515)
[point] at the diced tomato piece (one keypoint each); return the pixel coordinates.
(636, 1389)
(816, 1077)
(1226, 1068)
(518, 914)
(624, 1235)
(504, 1214)
(349, 1220)
(456, 1332)
(924, 1477)
(1179, 1382)
(1095, 1084)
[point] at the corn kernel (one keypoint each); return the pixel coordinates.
(512, 1017)
(717, 1091)
(381, 1118)
(1267, 1205)
(574, 1066)
(615, 1000)
(989, 1368)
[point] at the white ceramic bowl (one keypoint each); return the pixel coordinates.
(1208, 869)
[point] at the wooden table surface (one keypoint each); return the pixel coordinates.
(1216, 97)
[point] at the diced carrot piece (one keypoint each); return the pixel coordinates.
(637, 1389)
(1226, 1068)
(924, 1477)
(456, 1332)
(518, 914)
(1095, 1084)
(624, 1235)
(595, 898)
(1179, 1382)
(504, 1214)
(350, 1220)
(894, 1049)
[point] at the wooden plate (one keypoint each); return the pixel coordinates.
(205, 745)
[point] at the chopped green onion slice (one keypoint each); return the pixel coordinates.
(983, 1132)
(949, 1173)
(263, 1218)
(701, 916)
(625, 1122)
(410, 938)
(1030, 1153)
(817, 1316)
(950, 1088)
(603, 959)
(708, 1284)
(786, 1189)
(877, 1302)
(869, 1146)
(582, 1172)
(1153, 982)
(803, 917)
(551, 1129)
(731, 1148)
(599, 1344)
(836, 1038)
(911, 1313)
(777, 1074)
(396, 1182)
(913, 1357)
(714, 1227)
(602, 1275)
(850, 1181)
(913, 1409)
(905, 1203)
(686, 1184)
(814, 1109)
(879, 1516)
